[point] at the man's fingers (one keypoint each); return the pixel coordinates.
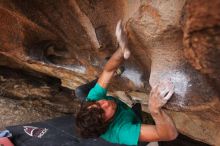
(168, 96)
(127, 54)
(165, 89)
(164, 92)
(118, 30)
(122, 39)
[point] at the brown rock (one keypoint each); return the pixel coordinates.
(72, 40)
(202, 37)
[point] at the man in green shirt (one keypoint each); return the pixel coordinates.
(109, 118)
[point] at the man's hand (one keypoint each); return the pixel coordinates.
(164, 128)
(116, 59)
(121, 37)
(159, 95)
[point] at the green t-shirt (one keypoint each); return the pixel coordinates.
(125, 126)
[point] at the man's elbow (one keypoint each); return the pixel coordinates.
(172, 136)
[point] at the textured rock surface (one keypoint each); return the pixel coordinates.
(28, 97)
(201, 39)
(159, 31)
(66, 43)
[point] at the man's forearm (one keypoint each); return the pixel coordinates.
(110, 68)
(164, 125)
(117, 58)
(114, 62)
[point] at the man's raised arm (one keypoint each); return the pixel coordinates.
(164, 130)
(116, 59)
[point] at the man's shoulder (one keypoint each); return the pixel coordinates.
(123, 116)
(122, 129)
(96, 93)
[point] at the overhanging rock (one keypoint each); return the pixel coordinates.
(71, 40)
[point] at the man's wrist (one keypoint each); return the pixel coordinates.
(121, 52)
(155, 111)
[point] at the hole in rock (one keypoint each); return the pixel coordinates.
(103, 35)
(48, 51)
(31, 85)
(30, 77)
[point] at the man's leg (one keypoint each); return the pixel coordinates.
(82, 91)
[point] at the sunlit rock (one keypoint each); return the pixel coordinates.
(70, 41)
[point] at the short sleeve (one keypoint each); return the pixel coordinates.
(96, 93)
(129, 134)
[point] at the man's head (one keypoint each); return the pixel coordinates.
(94, 117)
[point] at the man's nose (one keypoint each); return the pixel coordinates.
(105, 104)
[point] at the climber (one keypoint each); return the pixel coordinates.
(109, 118)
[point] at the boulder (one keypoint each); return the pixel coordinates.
(66, 43)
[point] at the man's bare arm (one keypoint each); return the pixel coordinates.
(116, 59)
(164, 130)
(110, 68)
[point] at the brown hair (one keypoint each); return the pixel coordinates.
(90, 121)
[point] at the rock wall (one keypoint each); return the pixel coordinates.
(71, 40)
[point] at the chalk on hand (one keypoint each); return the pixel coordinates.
(122, 39)
(166, 89)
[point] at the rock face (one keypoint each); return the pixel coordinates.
(162, 42)
(27, 97)
(68, 42)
